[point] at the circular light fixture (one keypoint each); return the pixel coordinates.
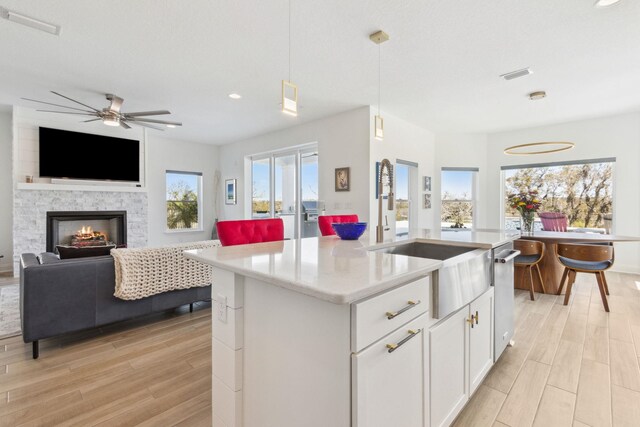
(534, 96)
(235, 95)
(538, 148)
(111, 121)
(605, 3)
(171, 126)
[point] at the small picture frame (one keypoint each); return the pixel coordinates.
(427, 183)
(427, 201)
(343, 180)
(230, 192)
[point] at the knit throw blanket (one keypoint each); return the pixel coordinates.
(142, 272)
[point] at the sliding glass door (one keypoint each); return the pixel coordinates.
(285, 185)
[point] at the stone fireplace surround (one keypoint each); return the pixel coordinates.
(31, 206)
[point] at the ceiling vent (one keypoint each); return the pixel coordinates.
(518, 73)
(25, 20)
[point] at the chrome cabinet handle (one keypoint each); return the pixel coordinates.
(410, 304)
(412, 333)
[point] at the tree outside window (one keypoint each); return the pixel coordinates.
(183, 200)
(582, 191)
(457, 198)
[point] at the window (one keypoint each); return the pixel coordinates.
(406, 191)
(284, 184)
(458, 197)
(184, 197)
(582, 190)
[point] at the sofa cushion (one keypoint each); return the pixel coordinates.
(67, 252)
(48, 258)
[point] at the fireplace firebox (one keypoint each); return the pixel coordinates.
(86, 228)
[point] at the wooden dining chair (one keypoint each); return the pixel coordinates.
(582, 258)
(531, 253)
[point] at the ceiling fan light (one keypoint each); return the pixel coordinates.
(171, 126)
(111, 121)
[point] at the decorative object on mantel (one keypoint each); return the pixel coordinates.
(427, 201)
(28, 179)
(343, 182)
(378, 38)
(527, 203)
(231, 195)
(427, 183)
(534, 148)
(111, 115)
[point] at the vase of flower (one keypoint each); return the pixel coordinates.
(526, 223)
(527, 204)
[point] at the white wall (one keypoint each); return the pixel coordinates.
(616, 136)
(168, 154)
(467, 150)
(6, 192)
(403, 141)
(342, 142)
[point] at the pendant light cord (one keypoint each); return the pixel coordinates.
(289, 41)
(379, 74)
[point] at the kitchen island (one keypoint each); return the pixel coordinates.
(324, 332)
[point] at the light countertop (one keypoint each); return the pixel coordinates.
(340, 271)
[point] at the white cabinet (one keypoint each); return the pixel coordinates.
(480, 340)
(461, 354)
(448, 360)
(389, 387)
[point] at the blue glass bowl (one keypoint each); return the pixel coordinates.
(349, 230)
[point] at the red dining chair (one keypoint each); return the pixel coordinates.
(246, 231)
(553, 221)
(325, 221)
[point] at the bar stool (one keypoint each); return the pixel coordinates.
(531, 253)
(581, 258)
(325, 221)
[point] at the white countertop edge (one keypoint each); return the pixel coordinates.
(314, 292)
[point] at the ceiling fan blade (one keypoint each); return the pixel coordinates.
(146, 125)
(162, 122)
(91, 120)
(73, 100)
(55, 105)
(124, 125)
(67, 112)
(147, 113)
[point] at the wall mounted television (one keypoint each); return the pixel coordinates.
(76, 155)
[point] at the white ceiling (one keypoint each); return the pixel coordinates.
(440, 67)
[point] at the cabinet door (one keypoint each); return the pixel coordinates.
(389, 388)
(448, 354)
(480, 339)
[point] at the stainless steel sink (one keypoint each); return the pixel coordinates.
(426, 250)
(464, 275)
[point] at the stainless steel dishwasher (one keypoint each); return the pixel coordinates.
(503, 257)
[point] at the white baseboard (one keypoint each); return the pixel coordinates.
(622, 268)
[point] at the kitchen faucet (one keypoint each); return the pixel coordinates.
(384, 164)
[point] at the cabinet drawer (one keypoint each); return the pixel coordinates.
(377, 316)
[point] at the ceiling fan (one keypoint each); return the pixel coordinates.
(111, 115)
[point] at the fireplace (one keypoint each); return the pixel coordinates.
(86, 228)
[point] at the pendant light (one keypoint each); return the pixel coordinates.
(378, 38)
(289, 90)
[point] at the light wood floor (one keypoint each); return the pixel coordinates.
(151, 372)
(571, 366)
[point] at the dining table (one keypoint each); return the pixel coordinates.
(550, 267)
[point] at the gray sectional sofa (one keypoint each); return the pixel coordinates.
(59, 296)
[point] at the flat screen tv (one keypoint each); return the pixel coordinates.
(66, 154)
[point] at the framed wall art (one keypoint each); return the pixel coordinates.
(343, 181)
(230, 192)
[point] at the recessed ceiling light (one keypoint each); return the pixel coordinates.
(21, 19)
(235, 95)
(517, 73)
(534, 96)
(171, 126)
(605, 3)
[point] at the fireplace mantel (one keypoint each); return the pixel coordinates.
(72, 187)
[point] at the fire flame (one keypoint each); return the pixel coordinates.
(85, 230)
